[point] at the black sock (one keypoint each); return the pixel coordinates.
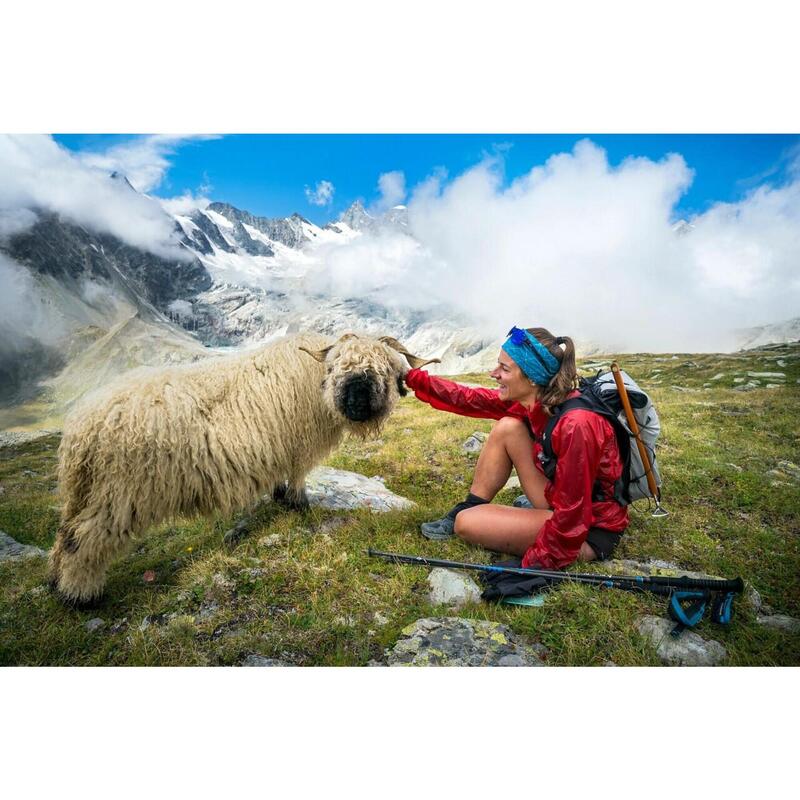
(472, 500)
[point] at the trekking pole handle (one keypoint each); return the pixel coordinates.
(626, 404)
(735, 585)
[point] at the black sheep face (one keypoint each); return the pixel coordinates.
(364, 379)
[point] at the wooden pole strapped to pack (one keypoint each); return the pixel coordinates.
(634, 426)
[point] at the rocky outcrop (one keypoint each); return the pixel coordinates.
(456, 642)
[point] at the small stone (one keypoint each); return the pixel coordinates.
(149, 576)
(790, 468)
(735, 466)
(687, 650)
(269, 541)
(738, 380)
(475, 442)
(754, 599)
(781, 622)
(717, 376)
(451, 588)
(12, 550)
(255, 660)
(95, 624)
(380, 619)
(766, 374)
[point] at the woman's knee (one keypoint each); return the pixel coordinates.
(463, 527)
(509, 427)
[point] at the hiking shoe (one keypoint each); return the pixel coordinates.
(522, 502)
(438, 529)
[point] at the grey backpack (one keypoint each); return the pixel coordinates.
(600, 394)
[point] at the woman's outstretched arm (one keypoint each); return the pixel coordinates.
(459, 399)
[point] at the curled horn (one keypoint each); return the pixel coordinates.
(319, 355)
(415, 361)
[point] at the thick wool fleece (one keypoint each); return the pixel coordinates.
(213, 435)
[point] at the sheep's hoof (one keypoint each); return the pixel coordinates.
(237, 532)
(74, 603)
(291, 499)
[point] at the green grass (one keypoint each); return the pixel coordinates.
(301, 587)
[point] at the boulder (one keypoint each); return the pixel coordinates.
(687, 650)
(452, 588)
(456, 642)
(341, 490)
(12, 550)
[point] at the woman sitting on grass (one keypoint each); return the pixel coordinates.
(574, 517)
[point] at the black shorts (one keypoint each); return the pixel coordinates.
(602, 542)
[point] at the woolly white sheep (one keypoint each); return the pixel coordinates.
(210, 436)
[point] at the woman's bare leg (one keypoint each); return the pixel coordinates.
(507, 530)
(509, 445)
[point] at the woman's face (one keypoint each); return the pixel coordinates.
(514, 386)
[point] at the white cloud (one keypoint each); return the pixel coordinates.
(586, 249)
(185, 204)
(321, 195)
(40, 174)
(392, 186)
(143, 161)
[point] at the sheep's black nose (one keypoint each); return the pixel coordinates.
(356, 396)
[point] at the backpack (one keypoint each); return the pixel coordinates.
(600, 395)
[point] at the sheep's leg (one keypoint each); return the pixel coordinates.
(292, 495)
(244, 526)
(80, 559)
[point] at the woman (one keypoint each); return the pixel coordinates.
(564, 521)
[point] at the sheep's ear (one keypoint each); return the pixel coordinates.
(319, 355)
(415, 361)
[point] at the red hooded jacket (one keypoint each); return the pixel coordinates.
(587, 451)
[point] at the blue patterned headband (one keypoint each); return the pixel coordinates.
(531, 356)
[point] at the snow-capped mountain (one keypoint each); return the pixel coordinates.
(241, 280)
(777, 333)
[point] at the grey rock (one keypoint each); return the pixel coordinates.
(95, 624)
(687, 650)
(12, 550)
(790, 468)
(255, 660)
(452, 588)
(339, 489)
(780, 621)
(753, 598)
(766, 374)
(475, 442)
(456, 642)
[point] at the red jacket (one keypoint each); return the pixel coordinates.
(587, 451)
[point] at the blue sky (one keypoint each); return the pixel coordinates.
(267, 174)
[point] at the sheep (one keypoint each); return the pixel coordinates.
(212, 436)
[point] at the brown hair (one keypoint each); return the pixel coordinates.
(566, 379)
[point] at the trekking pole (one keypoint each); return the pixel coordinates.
(654, 583)
(687, 597)
(634, 426)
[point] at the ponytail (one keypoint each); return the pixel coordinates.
(566, 379)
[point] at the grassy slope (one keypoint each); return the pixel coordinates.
(302, 588)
